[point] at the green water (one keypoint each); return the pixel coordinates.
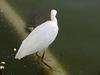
(77, 44)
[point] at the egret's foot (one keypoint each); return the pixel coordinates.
(42, 60)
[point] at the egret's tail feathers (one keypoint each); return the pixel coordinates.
(16, 57)
(19, 55)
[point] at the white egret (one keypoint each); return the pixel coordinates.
(40, 38)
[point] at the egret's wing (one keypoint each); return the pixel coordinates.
(35, 41)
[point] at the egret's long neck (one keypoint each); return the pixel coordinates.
(53, 18)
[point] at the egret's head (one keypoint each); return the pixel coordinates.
(53, 12)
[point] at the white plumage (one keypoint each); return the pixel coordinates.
(40, 38)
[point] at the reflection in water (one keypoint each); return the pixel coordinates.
(14, 49)
(2, 67)
(8, 65)
(3, 62)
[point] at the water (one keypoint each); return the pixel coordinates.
(8, 64)
(77, 44)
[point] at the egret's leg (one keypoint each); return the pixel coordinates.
(42, 59)
(37, 54)
(43, 55)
